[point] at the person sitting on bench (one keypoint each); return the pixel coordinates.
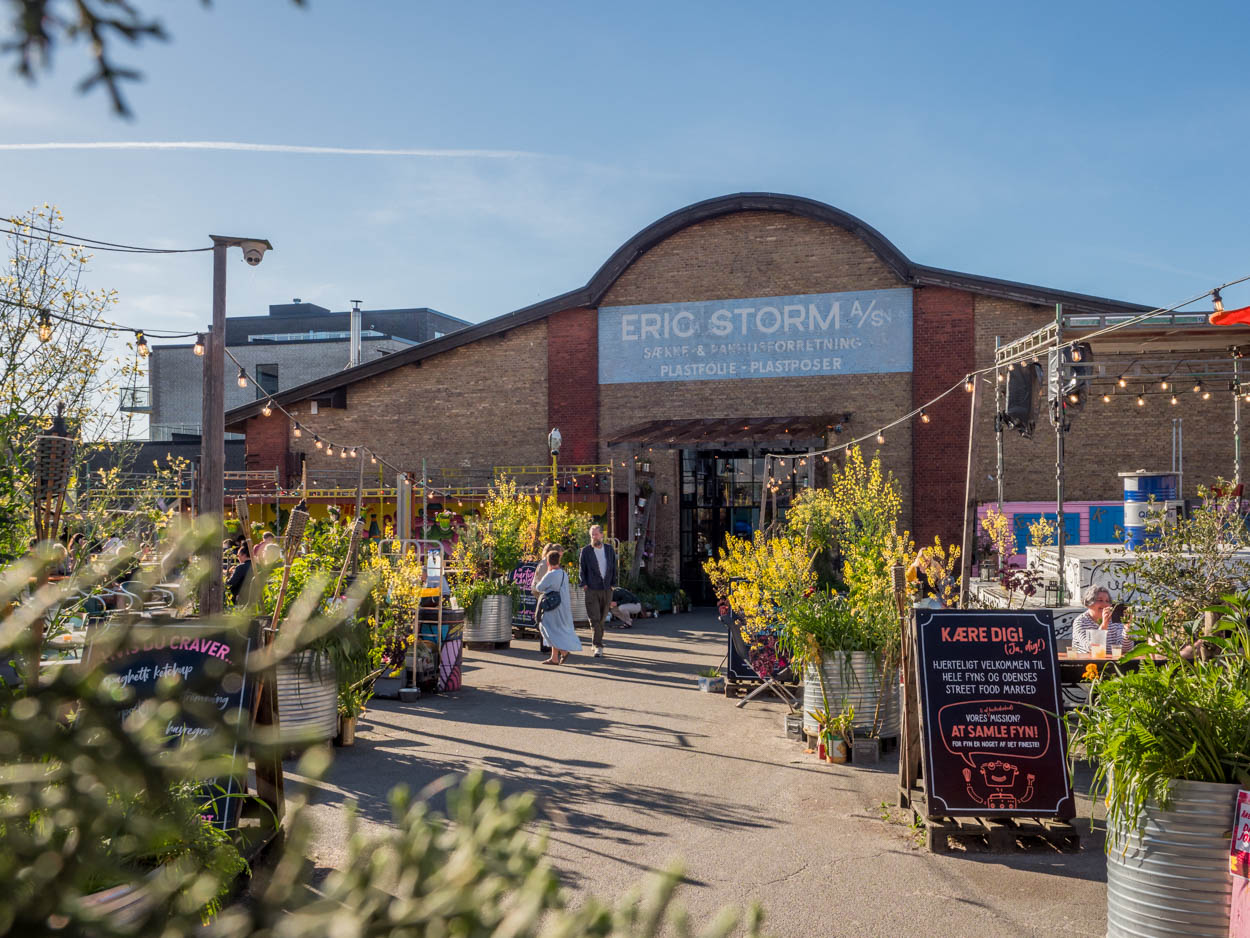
(625, 605)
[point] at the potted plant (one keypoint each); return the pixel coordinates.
(711, 681)
(1170, 744)
(644, 492)
(840, 731)
(487, 605)
(997, 529)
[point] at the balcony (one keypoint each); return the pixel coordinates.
(136, 400)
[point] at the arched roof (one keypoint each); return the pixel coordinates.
(708, 209)
(589, 295)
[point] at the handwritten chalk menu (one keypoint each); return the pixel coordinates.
(523, 616)
(994, 743)
(210, 666)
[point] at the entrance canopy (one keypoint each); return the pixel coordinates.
(732, 432)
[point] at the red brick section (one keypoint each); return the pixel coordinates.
(944, 350)
(267, 443)
(573, 383)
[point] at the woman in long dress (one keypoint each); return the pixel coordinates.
(557, 624)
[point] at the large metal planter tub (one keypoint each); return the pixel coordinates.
(308, 698)
(491, 622)
(1168, 877)
(853, 678)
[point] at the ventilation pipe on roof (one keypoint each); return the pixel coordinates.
(353, 358)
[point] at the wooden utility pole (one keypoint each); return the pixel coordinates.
(213, 427)
(970, 510)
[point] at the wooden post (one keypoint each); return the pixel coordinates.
(970, 514)
(213, 428)
(632, 486)
(909, 743)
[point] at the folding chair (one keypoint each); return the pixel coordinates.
(740, 654)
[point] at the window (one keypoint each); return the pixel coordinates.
(266, 380)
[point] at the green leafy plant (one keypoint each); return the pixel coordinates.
(1178, 719)
(97, 797)
(709, 672)
(469, 592)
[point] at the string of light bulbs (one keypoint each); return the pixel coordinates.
(968, 383)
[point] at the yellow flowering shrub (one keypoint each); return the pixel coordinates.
(997, 528)
(758, 576)
(1041, 533)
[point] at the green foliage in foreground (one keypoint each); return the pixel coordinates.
(1178, 719)
(90, 795)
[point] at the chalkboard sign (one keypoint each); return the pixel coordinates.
(523, 614)
(994, 742)
(212, 666)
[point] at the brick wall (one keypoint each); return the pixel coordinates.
(473, 408)
(1105, 438)
(943, 352)
(573, 383)
(267, 443)
(750, 254)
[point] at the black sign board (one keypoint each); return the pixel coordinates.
(523, 614)
(994, 741)
(212, 667)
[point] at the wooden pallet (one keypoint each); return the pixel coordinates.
(999, 834)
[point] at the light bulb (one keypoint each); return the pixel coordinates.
(924, 418)
(317, 441)
(353, 452)
(1206, 395)
(1074, 398)
(298, 432)
(880, 438)
(1121, 382)
(45, 326)
(1173, 400)
(1163, 385)
(242, 379)
(1217, 301)
(267, 410)
(968, 384)
(373, 459)
(1141, 401)
(141, 345)
(329, 449)
(1001, 377)
(1106, 398)
(1197, 387)
(198, 347)
(343, 453)
(1076, 353)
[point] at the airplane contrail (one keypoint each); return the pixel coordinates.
(269, 148)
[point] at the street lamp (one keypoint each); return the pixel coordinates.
(553, 443)
(213, 414)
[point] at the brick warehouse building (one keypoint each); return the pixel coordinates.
(740, 325)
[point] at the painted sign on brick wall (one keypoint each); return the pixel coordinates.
(866, 332)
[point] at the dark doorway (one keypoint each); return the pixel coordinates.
(720, 495)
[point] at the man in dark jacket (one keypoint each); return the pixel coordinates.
(239, 576)
(597, 565)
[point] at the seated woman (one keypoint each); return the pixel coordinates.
(1097, 619)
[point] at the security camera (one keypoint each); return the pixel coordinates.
(254, 251)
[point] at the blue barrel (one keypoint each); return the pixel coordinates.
(1140, 488)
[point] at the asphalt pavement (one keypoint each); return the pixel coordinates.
(635, 768)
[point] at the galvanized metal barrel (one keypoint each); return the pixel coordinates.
(307, 699)
(853, 679)
(492, 622)
(577, 595)
(1169, 879)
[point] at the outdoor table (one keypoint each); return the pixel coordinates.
(1072, 667)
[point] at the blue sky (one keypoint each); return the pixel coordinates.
(1092, 147)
